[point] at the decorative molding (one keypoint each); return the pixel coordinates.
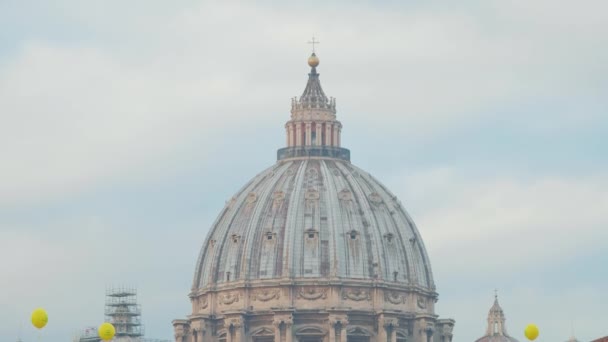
(356, 294)
(265, 295)
(394, 297)
(312, 293)
(228, 298)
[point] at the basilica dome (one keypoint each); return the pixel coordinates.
(313, 248)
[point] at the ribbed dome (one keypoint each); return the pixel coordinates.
(313, 218)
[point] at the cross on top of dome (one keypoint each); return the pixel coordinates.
(313, 42)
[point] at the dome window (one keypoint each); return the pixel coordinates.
(311, 233)
(270, 236)
(353, 234)
(389, 237)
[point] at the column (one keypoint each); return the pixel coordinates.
(335, 135)
(298, 133)
(343, 331)
(327, 141)
(291, 136)
(238, 330)
(429, 334)
(382, 331)
(332, 330)
(308, 133)
(319, 130)
(339, 136)
(288, 330)
(287, 135)
(277, 330)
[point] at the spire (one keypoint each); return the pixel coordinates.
(496, 319)
(313, 96)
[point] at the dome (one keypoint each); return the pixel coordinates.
(314, 218)
(496, 331)
(313, 249)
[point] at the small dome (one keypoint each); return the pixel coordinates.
(313, 60)
(496, 331)
(497, 338)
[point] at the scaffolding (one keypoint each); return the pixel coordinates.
(123, 311)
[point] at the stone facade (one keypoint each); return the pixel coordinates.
(313, 249)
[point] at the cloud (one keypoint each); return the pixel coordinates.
(513, 220)
(93, 110)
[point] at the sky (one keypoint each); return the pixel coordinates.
(126, 126)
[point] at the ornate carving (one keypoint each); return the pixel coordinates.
(421, 302)
(277, 199)
(356, 294)
(203, 302)
(236, 322)
(333, 320)
(312, 293)
(391, 322)
(311, 194)
(375, 198)
(228, 298)
(265, 295)
(394, 297)
(251, 198)
(345, 195)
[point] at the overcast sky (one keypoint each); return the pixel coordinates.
(126, 125)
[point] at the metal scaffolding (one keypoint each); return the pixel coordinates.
(124, 313)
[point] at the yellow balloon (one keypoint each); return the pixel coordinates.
(39, 318)
(106, 331)
(531, 332)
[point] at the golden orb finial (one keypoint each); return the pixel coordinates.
(313, 60)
